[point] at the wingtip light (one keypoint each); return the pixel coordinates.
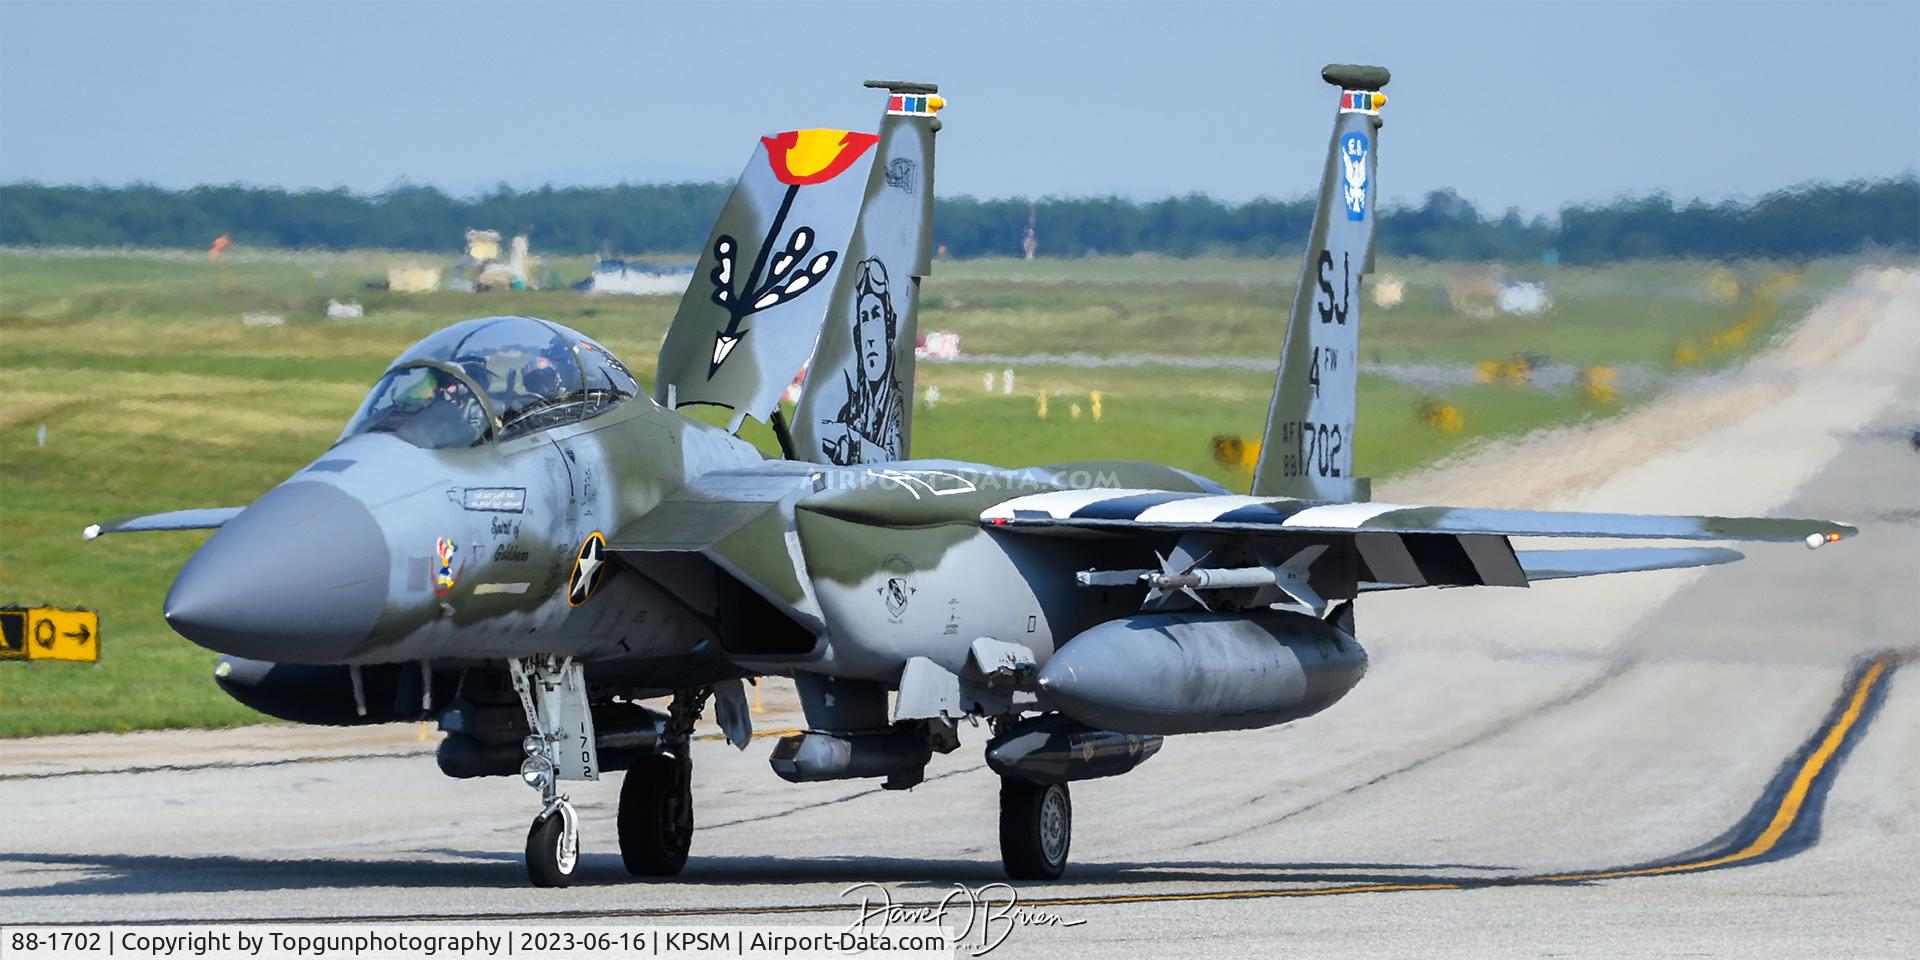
(1817, 540)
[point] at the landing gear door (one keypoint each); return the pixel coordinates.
(564, 712)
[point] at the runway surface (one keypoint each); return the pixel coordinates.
(1723, 762)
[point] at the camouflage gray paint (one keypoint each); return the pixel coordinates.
(1308, 450)
(1210, 671)
(857, 405)
(756, 303)
(894, 562)
(468, 552)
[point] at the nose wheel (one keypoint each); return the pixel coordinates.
(553, 845)
(1036, 828)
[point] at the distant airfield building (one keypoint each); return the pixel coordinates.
(483, 245)
(484, 269)
(635, 278)
(413, 278)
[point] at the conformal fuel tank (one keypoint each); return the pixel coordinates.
(1194, 672)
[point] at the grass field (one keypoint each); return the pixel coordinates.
(155, 395)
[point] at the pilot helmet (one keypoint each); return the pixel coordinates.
(546, 373)
(476, 370)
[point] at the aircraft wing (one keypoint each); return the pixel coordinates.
(738, 520)
(205, 518)
(1398, 545)
(1538, 565)
(1122, 510)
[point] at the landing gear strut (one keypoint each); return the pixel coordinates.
(1036, 828)
(560, 744)
(656, 799)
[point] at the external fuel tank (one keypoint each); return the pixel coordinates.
(1168, 673)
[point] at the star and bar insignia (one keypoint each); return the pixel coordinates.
(589, 568)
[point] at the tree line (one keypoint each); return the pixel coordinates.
(1806, 221)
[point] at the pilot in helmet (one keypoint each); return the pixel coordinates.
(476, 369)
(462, 400)
(546, 374)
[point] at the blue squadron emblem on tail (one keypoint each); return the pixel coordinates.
(1353, 166)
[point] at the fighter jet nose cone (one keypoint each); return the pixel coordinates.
(299, 577)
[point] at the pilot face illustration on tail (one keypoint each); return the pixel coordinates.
(856, 404)
(867, 427)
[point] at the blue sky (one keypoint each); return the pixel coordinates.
(1532, 105)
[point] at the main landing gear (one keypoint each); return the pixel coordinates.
(1036, 828)
(656, 800)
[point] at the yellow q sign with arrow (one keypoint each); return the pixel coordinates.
(47, 633)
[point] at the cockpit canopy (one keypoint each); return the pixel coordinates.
(490, 379)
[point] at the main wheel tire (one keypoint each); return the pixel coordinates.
(550, 862)
(656, 816)
(1036, 828)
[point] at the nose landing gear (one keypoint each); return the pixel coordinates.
(561, 745)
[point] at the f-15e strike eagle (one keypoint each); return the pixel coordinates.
(512, 538)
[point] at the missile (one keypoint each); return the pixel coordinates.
(1292, 578)
(1213, 578)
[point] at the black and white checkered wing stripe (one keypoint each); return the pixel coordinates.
(1157, 509)
(1164, 509)
(1401, 545)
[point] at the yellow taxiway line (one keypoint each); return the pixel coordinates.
(1792, 803)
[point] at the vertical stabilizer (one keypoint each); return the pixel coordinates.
(755, 305)
(1307, 451)
(857, 403)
